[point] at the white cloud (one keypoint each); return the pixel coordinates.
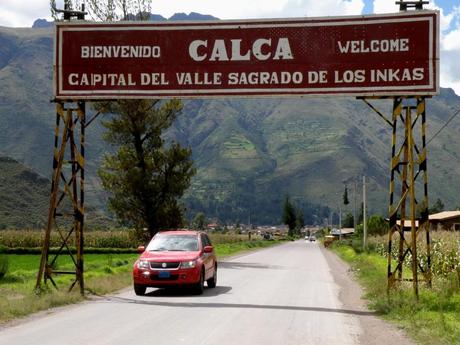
(446, 19)
(389, 6)
(312, 8)
(239, 9)
(451, 40)
(385, 6)
(234, 9)
(450, 53)
(22, 13)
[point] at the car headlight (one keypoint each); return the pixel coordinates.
(143, 264)
(188, 264)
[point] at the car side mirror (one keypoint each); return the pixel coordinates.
(208, 249)
(141, 249)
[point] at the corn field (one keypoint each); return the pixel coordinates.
(445, 251)
(92, 239)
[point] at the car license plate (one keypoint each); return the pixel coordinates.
(164, 274)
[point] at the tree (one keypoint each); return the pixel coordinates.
(345, 196)
(289, 216)
(348, 222)
(377, 225)
(109, 10)
(299, 221)
(145, 177)
(361, 214)
(437, 207)
(199, 222)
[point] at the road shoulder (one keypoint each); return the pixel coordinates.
(375, 330)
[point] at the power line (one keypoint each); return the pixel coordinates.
(444, 126)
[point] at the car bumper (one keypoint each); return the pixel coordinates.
(155, 278)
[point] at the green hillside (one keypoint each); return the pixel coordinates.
(249, 152)
(24, 196)
(259, 150)
(27, 117)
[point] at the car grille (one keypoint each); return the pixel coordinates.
(164, 265)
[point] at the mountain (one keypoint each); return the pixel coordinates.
(256, 151)
(25, 197)
(192, 16)
(43, 23)
(249, 153)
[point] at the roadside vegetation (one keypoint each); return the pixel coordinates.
(435, 317)
(107, 270)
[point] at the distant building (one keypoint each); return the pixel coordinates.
(407, 224)
(212, 226)
(447, 220)
(342, 232)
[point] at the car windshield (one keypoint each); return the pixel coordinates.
(173, 243)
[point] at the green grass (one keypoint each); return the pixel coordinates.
(104, 273)
(434, 319)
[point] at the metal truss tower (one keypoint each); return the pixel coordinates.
(408, 203)
(67, 202)
(66, 211)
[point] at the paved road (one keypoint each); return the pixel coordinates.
(282, 295)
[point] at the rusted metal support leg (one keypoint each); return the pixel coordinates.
(411, 172)
(392, 210)
(407, 128)
(67, 195)
(424, 213)
(58, 158)
(80, 214)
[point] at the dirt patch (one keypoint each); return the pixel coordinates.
(375, 330)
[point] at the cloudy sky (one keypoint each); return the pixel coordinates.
(22, 13)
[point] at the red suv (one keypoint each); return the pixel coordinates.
(176, 258)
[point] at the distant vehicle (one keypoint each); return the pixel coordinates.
(176, 258)
(312, 239)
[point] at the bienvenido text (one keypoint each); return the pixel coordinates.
(124, 51)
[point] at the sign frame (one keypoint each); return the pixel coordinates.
(432, 88)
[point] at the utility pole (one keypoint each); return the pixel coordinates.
(364, 214)
(340, 221)
(355, 221)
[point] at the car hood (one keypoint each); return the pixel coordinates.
(169, 256)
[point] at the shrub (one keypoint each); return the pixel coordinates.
(377, 225)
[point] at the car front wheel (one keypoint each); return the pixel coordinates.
(139, 290)
(212, 282)
(199, 287)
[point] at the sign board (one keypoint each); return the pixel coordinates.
(373, 55)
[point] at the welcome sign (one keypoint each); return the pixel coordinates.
(374, 55)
